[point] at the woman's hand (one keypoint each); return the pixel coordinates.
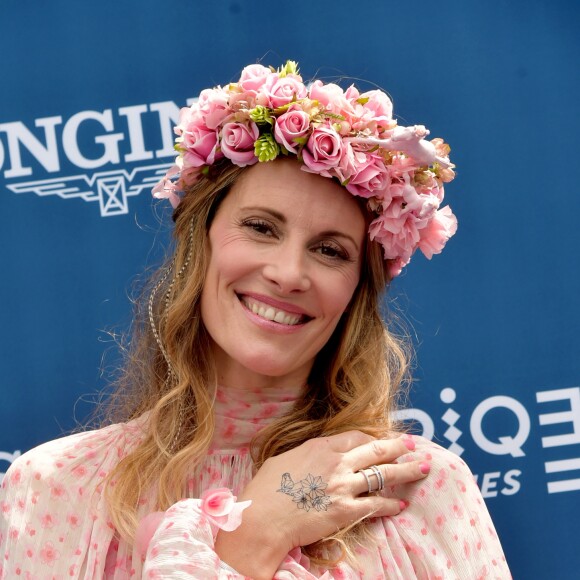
(310, 492)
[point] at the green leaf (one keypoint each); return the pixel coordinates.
(362, 100)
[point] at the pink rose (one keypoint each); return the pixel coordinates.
(213, 106)
(293, 124)
(253, 77)
(281, 91)
(237, 142)
(199, 143)
(185, 115)
(379, 105)
(370, 179)
(435, 235)
(331, 97)
(322, 151)
(219, 507)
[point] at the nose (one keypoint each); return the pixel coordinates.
(287, 268)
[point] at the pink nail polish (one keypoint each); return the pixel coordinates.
(425, 467)
(409, 444)
(403, 504)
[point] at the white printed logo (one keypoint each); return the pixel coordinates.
(512, 442)
(25, 154)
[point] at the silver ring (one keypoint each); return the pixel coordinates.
(374, 470)
(367, 478)
(380, 478)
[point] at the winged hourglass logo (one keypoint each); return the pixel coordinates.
(112, 189)
(100, 141)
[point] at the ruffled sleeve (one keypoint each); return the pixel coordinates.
(53, 517)
(182, 548)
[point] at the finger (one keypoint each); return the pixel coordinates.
(379, 451)
(390, 474)
(377, 506)
(345, 442)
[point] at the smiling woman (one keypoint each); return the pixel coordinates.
(286, 248)
(260, 368)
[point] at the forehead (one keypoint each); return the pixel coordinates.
(302, 198)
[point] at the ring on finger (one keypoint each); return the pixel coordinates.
(369, 472)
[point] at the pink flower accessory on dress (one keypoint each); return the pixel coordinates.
(219, 506)
(346, 135)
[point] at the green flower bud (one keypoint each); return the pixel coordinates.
(266, 148)
(261, 115)
(290, 68)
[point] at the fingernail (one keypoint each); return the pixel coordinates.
(403, 504)
(409, 444)
(425, 467)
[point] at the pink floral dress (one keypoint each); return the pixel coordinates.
(54, 521)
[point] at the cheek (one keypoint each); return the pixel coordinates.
(339, 292)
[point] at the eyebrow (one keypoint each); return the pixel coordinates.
(282, 218)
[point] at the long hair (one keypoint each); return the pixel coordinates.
(354, 382)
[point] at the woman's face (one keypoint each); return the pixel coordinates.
(285, 259)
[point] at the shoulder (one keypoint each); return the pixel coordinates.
(449, 493)
(450, 478)
(76, 461)
(439, 457)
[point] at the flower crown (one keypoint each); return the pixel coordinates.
(335, 133)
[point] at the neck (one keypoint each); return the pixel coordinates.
(233, 375)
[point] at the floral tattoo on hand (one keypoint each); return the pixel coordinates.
(306, 493)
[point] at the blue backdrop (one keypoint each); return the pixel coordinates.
(88, 92)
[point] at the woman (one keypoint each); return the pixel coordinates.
(263, 367)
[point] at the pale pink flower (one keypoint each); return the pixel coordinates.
(199, 143)
(237, 142)
(185, 115)
(371, 178)
(331, 97)
(397, 231)
(166, 188)
(213, 106)
(322, 151)
(378, 107)
(253, 77)
(293, 124)
(281, 91)
(49, 554)
(47, 521)
(220, 507)
(435, 235)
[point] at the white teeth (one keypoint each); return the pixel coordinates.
(279, 317)
(271, 313)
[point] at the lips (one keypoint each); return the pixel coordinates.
(268, 311)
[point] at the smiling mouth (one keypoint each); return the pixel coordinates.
(268, 312)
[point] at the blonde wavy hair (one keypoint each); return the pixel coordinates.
(355, 381)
